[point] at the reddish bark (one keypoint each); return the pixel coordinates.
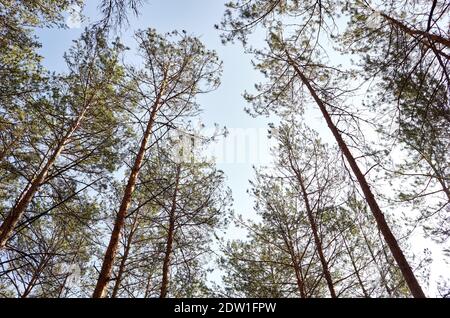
(123, 261)
(111, 251)
(11, 220)
(408, 274)
(313, 225)
(170, 236)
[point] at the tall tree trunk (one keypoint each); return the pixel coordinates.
(317, 240)
(124, 258)
(287, 239)
(11, 220)
(298, 272)
(111, 251)
(396, 251)
(32, 283)
(170, 236)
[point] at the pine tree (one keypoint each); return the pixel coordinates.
(293, 63)
(75, 124)
(175, 72)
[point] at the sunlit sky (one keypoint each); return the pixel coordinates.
(247, 143)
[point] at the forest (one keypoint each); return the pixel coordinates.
(106, 190)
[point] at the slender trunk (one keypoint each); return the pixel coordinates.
(355, 268)
(148, 285)
(298, 274)
(36, 274)
(414, 33)
(297, 270)
(111, 251)
(317, 240)
(11, 220)
(287, 239)
(396, 251)
(30, 285)
(170, 236)
(124, 258)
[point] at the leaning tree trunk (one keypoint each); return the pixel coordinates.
(11, 220)
(170, 236)
(111, 251)
(36, 274)
(408, 274)
(295, 262)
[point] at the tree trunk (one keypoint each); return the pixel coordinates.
(124, 258)
(317, 240)
(111, 251)
(396, 251)
(298, 273)
(35, 277)
(11, 220)
(287, 239)
(170, 236)
(30, 285)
